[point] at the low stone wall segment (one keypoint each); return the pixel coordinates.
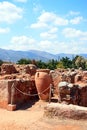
(16, 91)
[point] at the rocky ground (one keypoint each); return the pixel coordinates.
(31, 117)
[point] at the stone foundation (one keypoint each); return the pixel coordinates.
(53, 110)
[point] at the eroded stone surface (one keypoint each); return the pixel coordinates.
(71, 86)
(74, 92)
(17, 84)
(65, 111)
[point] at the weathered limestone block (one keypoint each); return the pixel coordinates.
(11, 107)
(83, 96)
(84, 76)
(72, 77)
(30, 69)
(74, 95)
(78, 77)
(56, 78)
(8, 69)
(27, 69)
(65, 111)
(63, 91)
(68, 92)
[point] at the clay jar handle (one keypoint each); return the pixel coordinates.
(38, 74)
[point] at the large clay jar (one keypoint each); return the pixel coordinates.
(43, 81)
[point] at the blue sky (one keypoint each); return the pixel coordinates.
(54, 26)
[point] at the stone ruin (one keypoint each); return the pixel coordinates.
(17, 84)
(71, 86)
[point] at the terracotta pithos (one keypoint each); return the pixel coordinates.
(43, 81)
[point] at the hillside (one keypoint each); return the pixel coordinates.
(14, 56)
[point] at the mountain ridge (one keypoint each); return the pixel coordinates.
(14, 56)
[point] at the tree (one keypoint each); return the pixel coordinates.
(80, 62)
(51, 64)
(1, 62)
(86, 64)
(67, 63)
(60, 65)
(41, 64)
(74, 60)
(24, 61)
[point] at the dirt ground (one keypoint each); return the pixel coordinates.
(31, 117)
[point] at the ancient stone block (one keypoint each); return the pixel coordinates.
(8, 69)
(11, 107)
(65, 111)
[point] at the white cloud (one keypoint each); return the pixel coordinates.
(56, 46)
(51, 34)
(22, 40)
(39, 25)
(23, 1)
(76, 20)
(23, 43)
(72, 33)
(49, 18)
(84, 38)
(52, 17)
(45, 43)
(9, 12)
(76, 47)
(53, 30)
(68, 47)
(60, 21)
(72, 13)
(47, 35)
(27, 43)
(4, 30)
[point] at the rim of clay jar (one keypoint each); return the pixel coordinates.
(43, 70)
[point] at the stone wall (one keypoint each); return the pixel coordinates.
(16, 91)
(4, 97)
(8, 69)
(75, 89)
(83, 95)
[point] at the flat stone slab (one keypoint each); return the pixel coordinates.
(65, 111)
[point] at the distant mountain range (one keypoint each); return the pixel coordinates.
(14, 56)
